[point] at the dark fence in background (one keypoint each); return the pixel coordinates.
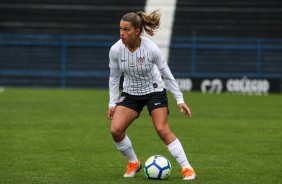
(54, 61)
(82, 60)
(65, 16)
(228, 18)
(226, 57)
(62, 43)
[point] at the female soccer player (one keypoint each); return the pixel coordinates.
(135, 56)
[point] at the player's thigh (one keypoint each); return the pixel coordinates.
(122, 118)
(160, 118)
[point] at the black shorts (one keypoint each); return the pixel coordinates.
(137, 102)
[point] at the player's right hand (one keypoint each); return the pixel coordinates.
(111, 112)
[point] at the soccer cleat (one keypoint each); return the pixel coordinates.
(132, 169)
(188, 174)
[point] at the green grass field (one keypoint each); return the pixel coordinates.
(62, 136)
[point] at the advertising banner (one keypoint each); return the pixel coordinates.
(252, 86)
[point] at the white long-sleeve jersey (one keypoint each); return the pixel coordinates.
(140, 74)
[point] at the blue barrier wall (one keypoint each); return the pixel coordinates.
(58, 61)
(82, 60)
(226, 57)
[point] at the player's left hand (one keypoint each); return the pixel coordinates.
(183, 106)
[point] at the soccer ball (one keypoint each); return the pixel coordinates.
(157, 167)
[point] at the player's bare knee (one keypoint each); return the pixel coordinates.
(116, 133)
(163, 133)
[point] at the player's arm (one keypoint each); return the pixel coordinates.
(170, 81)
(114, 81)
(114, 91)
(172, 85)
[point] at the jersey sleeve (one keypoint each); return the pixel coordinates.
(113, 56)
(158, 58)
(171, 84)
(114, 78)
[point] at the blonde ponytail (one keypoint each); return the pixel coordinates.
(143, 21)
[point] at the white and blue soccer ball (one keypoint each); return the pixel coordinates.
(157, 167)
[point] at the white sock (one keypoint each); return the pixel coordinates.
(176, 150)
(125, 147)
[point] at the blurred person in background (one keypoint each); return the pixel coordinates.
(135, 56)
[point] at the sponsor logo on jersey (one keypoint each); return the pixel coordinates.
(155, 85)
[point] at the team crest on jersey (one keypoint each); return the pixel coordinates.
(141, 60)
